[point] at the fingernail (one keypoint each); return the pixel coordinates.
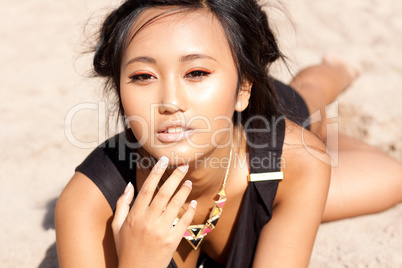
(188, 183)
(163, 162)
(193, 204)
(128, 188)
(183, 168)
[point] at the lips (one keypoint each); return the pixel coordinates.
(173, 132)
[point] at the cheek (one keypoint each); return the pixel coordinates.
(137, 111)
(130, 101)
(215, 102)
(217, 98)
(136, 102)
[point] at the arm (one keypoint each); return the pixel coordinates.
(288, 238)
(83, 226)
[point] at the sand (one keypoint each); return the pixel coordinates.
(43, 79)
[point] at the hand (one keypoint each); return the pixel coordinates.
(144, 235)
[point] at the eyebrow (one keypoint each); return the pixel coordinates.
(195, 57)
(186, 58)
(142, 59)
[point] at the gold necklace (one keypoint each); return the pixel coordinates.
(195, 234)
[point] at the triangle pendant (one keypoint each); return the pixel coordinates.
(195, 231)
(194, 242)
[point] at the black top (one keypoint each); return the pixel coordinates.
(113, 164)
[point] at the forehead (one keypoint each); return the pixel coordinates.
(178, 30)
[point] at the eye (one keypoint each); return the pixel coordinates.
(198, 73)
(141, 77)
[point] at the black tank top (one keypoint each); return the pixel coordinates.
(113, 164)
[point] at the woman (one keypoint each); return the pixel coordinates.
(191, 79)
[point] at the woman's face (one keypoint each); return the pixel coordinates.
(178, 85)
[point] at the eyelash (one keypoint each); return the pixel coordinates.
(197, 73)
(141, 76)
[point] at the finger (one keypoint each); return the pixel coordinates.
(185, 220)
(177, 201)
(147, 190)
(122, 209)
(167, 190)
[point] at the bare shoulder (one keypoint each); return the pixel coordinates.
(302, 144)
(304, 160)
(288, 238)
(82, 220)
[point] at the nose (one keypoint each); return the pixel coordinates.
(173, 97)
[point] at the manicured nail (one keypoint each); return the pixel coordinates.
(193, 204)
(163, 162)
(183, 168)
(127, 188)
(188, 183)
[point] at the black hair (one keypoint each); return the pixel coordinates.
(253, 44)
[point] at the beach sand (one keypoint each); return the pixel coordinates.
(52, 115)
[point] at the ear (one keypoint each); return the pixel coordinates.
(244, 95)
